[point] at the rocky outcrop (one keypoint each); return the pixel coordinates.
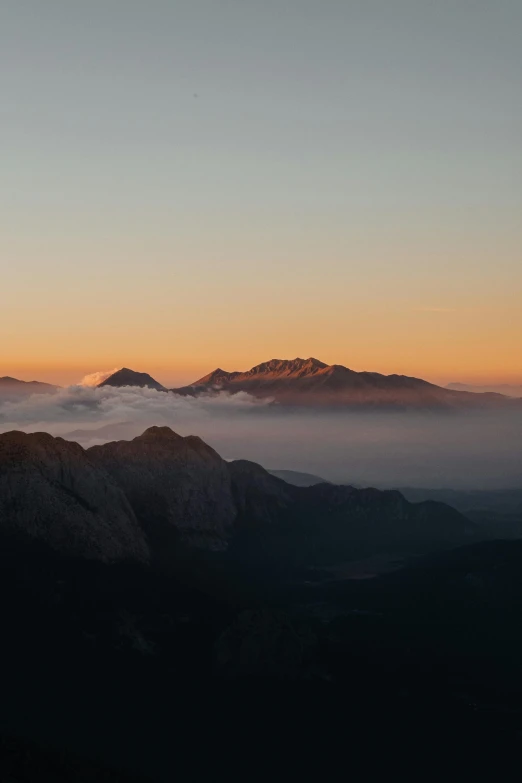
(174, 484)
(51, 491)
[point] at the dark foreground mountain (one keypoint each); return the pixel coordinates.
(182, 490)
(312, 382)
(12, 388)
(180, 667)
(159, 491)
(51, 492)
(176, 486)
(126, 377)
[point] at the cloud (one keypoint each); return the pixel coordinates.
(95, 378)
(90, 407)
(365, 448)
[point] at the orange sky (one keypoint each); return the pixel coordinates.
(440, 321)
(442, 346)
(174, 199)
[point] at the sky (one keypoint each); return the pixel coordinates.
(189, 184)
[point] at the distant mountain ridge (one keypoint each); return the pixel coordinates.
(509, 390)
(11, 388)
(312, 382)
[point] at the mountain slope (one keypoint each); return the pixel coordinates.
(312, 382)
(174, 484)
(51, 492)
(126, 377)
(326, 523)
(160, 490)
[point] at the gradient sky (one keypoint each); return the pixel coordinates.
(194, 183)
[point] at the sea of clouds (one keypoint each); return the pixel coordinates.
(475, 450)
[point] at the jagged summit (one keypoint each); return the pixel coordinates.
(295, 368)
(126, 377)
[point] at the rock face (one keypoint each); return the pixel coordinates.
(126, 377)
(312, 382)
(173, 484)
(51, 492)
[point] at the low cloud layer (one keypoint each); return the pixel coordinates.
(472, 451)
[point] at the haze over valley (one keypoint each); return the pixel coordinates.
(414, 434)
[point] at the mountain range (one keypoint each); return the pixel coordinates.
(310, 382)
(136, 499)
(307, 383)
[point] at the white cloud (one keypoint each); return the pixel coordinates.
(90, 407)
(95, 378)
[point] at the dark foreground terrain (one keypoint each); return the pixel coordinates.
(201, 620)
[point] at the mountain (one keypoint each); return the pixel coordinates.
(161, 491)
(174, 484)
(126, 377)
(52, 493)
(509, 390)
(127, 666)
(297, 478)
(182, 490)
(12, 388)
(312, 382)
(326, 523)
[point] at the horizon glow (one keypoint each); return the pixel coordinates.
(196, 184)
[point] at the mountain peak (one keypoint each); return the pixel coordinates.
(215, 378)
(158, 434)
(126, 377)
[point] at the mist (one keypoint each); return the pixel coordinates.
(476, 450)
